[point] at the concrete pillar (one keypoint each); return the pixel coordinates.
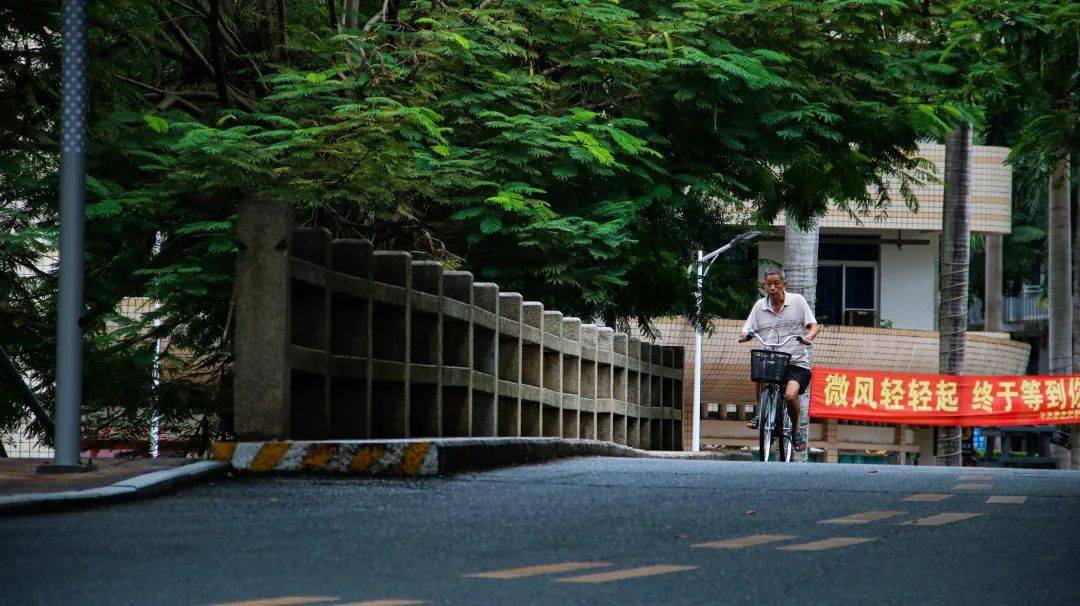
(263, 320)
(832, 434)
(993, 277)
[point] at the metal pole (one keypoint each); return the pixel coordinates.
(72, 218)
(695, 441)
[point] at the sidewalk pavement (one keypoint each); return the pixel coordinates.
(23, 490)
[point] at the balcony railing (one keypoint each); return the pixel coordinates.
(1025, 307)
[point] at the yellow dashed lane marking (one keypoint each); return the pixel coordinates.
(414, 458)
(533, 571)
(928, 497)
(365, 457)
(317, 456)
(827, 544)
(268, 456)
(972, 486)
(864, 518)
(223, 451)
(942, 519)
(1007, 500)
(751, 541)
(295, 600)
(630, 573)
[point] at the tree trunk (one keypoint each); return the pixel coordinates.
(1059, 273)
(993, 312)
(801, 261)
(800, 269)
(1074, 453)
(953, 272)
(349, 16)
(331, 14)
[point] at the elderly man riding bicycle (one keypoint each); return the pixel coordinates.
(782, 315)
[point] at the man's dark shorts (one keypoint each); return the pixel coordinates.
(800, 375)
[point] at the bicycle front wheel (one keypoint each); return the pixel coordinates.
(766, 421)
(784, 434)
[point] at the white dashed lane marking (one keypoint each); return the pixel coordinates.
(972, 486)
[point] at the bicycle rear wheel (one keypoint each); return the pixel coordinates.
(766, 421)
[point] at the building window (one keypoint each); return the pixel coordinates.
(847, 293)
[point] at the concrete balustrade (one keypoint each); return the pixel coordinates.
(335, 340)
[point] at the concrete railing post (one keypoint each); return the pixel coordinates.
(532, 368)
(391, 335)
(263, 321)
(509, 394)
(571, 333)
(587, 419)
(457, 357)
(485, 411)
(552, 382)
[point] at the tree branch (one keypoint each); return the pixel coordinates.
(380, 16)
(182, 38)
(213, 21)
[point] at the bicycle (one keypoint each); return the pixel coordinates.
(769, 368)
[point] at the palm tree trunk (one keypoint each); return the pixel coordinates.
(800, 269)
(1075, 430)
(1060, 270)
(953, 272)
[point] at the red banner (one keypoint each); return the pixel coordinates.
(925, 399)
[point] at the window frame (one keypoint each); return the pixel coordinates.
(843, 265)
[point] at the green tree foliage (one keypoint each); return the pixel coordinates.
(1029, 53)
(575, 151)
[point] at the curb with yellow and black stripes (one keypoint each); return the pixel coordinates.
(414, 458)
(394, 458)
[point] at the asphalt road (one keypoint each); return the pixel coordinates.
(602, 531)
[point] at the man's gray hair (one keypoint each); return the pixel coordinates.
(775, 271)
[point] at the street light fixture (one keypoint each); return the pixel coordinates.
(701, 266)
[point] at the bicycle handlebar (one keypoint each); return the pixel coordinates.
(754, 335)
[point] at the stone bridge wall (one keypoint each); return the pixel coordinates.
(335, 340)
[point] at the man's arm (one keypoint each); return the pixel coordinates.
(813, 328)
(750, 324)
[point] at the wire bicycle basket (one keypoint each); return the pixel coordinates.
(768, 366)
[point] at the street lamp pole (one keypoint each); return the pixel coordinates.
(69, 358)
(695, 440)
(701, 269)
